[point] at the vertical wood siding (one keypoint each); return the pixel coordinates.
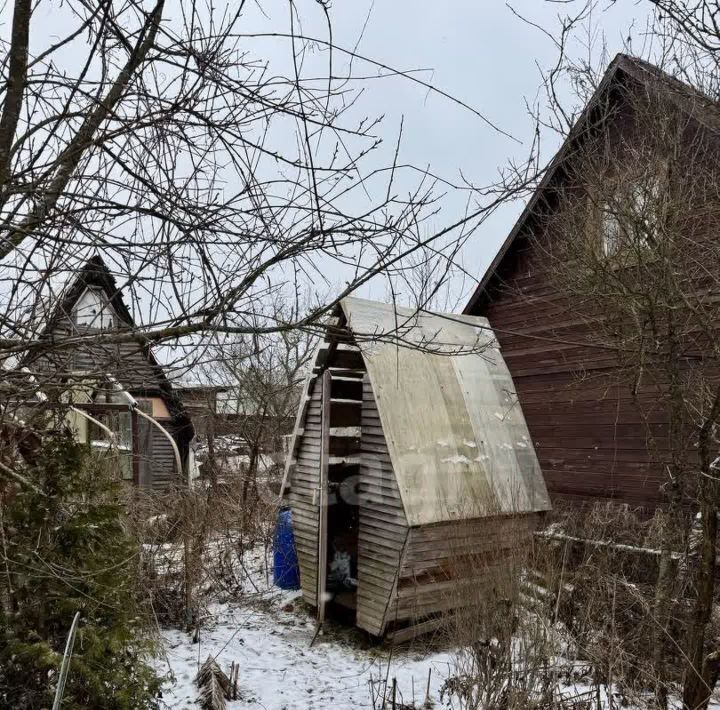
(162, 463)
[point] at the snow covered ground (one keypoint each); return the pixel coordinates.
(279, 669)
(269, 632)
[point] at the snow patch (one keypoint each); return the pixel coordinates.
(269, 633)
(458, 458)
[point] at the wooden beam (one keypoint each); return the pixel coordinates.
(411, 632)
(97, 407)
(135, 437)
(323, 495)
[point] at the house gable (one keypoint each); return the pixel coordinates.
(93, 300)
(93, 310)
(625, 73)
(590, 431)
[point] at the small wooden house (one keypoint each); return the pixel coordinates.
(92, 303)
(410, 454)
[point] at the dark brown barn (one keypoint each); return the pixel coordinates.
(590, 440)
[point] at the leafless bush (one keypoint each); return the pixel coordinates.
(603, 568)
(501, 631)
(205, 539)
(570, 618)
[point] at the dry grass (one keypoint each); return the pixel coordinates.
(200, 538)
(575, 606)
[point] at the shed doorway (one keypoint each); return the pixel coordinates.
(338, 511)
(342, 540)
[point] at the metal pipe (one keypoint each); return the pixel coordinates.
(132, 403)
(110, 432)
(169, 436)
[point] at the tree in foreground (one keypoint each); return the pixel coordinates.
(218, 159)
(66, 548)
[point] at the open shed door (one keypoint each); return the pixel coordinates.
(323, 498)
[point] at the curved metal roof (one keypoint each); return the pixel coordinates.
(457, 437)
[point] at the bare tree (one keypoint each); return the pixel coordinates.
(262, 389)
(217, 169)
(209, 176)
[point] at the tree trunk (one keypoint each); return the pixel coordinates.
(697, 688)
(15, 86)
(667, 571)
(250, 484)
(211, 460)
(673, 492)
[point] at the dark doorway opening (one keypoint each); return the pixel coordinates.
(343, 526)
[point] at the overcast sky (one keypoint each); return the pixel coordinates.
(478, 51)
(481, 53)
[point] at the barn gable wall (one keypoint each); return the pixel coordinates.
(599, 435)
(588, 434)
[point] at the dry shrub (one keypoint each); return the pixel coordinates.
(576, 605)
(602, 567)
(503, 643)
(211, 538)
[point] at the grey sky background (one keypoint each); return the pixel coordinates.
(481, 53)
(478, 51)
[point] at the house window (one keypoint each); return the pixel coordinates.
(119, 454)
(611, 233)
(92, 310)
(629, 220)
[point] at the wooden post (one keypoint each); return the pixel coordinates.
(135, 443)
(323, 496)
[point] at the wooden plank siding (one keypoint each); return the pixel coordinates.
(592, 441)
(383, 527)
(589, 435)
(127, 361)
(448, 565)
(304, 485)
(129, 365)
(163, 470)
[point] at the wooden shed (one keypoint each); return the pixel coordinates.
(410, 453)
